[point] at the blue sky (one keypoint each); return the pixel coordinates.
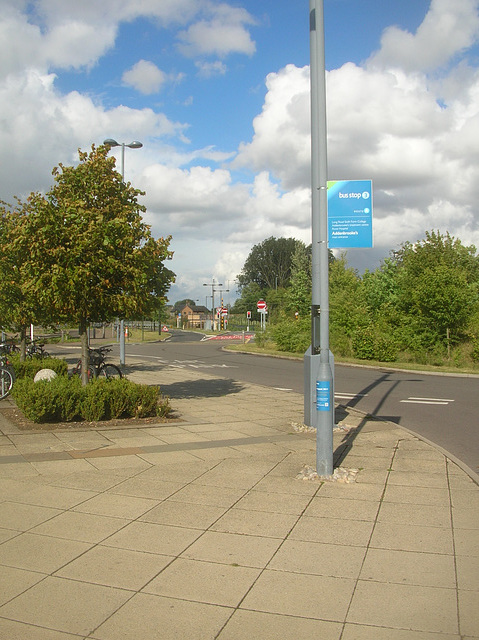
(218, 93)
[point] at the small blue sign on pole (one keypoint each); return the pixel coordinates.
(350, 214)
(323, 395)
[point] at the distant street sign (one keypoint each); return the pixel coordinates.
(261, 305)
(350, 214)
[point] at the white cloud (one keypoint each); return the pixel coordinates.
(448, 28)
(408, 118)
(210, 69)
(220, 35)
(145, 77)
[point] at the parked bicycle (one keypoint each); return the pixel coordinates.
(98, 366)
(36, 350)
(7, 376)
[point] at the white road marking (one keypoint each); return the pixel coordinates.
(436, 401)
(350, 396)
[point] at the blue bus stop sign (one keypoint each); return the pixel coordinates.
(350, 214)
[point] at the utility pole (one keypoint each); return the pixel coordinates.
(319, 395)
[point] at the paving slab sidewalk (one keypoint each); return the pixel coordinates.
(200, 529)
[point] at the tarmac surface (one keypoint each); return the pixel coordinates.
(200, 529)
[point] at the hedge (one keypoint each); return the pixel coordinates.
(64, 399)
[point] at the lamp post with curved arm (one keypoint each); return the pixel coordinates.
(110, 142)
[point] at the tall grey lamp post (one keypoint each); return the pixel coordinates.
(213, 285)
(319, 367)
(109, 142)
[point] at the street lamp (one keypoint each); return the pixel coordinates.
(213, 285)
(109, 142)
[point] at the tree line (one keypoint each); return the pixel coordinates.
(80, 253)
(420, 305)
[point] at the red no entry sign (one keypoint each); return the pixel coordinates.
(261, 304)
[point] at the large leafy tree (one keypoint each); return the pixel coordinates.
(269, 263)
(89, 257)
(18, 307)
(438, 283)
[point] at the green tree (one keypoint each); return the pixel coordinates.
(438, 280)
(269, 263)
(18, 307)
(298, 298)
(89, 257)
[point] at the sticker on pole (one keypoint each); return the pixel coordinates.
(350, 214)
(323, 395)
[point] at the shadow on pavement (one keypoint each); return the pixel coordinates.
(201, 388)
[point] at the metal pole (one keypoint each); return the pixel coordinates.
(321, 373)
(122, 322)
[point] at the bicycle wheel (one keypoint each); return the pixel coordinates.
(110, 371)
(77, 371)
(6, 382)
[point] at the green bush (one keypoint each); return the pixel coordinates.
(293, 336)
(31, 366)
(369, 344)
(64, 399)
(95, 403)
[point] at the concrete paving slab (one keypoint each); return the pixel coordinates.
(22, 517)
(232, 548)
(256, 523)
(19, 631)
(422, 608)
(268, 626)
(141, 487)
(326, 507)
(308, 596)
(55, 497)
(159, 618)
(403, 537)
(181, 514)
(428, 515)
(79, 607)
(40, 553)
(362, 632)
(153, 538)
(408, 567)
(16, 581)
(109, 504)
(468, 614)
(84, 527)
(112, 567)
(205, 582)
(356, 533)
(340, 561)
(292, 504)
(195, 493)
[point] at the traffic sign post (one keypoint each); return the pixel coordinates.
(263, 310)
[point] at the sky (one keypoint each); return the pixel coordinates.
(218, 94)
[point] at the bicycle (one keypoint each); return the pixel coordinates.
(7, 376)
(36, 350)
(98, 366)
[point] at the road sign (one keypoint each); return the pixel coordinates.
(350, 214)
(261, 305)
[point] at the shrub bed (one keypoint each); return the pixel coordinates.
(64, 399)
(31, 366)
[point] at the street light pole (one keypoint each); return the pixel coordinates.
(213, 285)
(319, 367)
(110, 142)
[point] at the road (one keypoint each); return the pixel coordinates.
(443, 409)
